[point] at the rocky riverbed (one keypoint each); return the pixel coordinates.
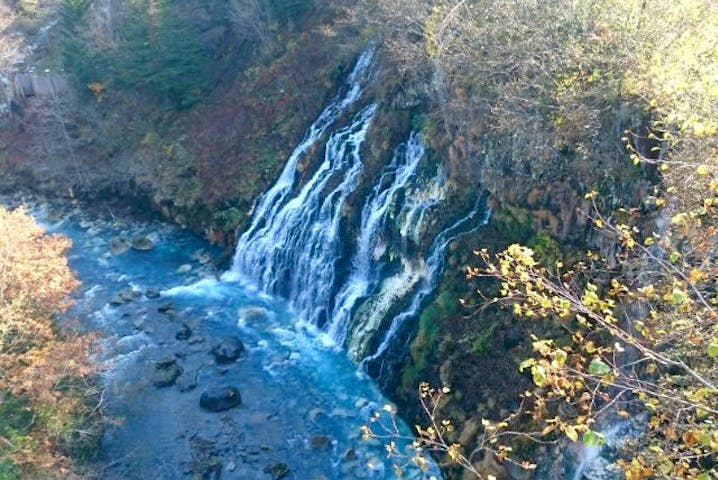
(205, 378)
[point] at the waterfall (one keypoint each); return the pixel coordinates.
(293, 255)
(293, 246)
(365, 270)
(433, 266)
(274, 198)
(419, 203)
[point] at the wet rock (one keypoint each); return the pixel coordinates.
(195, 339)
(320, 442)
(125, 296)
(277, 470)
(54, 215)
(130, 294)
(227, 350)
(152, 293)
(142, 244)
(251, 314)
(317, 415)
(117, 300)
(187, 381)
(118, 245)
(166, 371)
(205, 464)
(184, 333)
(220, 398)
(166, 360)
(166, 308)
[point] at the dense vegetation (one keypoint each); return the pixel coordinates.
(48, 410)
(559, 82)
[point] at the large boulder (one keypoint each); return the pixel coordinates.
(219, 399)
(227, 350)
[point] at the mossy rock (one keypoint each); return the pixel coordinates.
(482, 343)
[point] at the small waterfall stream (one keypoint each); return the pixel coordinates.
(432, 269)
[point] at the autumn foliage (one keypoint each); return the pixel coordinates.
(44, 392)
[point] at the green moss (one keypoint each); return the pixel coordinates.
(8, 470)
(228, 219)
(422, 348)
(16, 418)
(547, 251)
(513, 223)
(481, 344)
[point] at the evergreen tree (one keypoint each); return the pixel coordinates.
(160, 52)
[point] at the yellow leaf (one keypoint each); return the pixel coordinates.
(571, 432)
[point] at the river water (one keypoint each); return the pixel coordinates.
(302, 403)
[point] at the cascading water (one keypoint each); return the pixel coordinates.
(433, 266)
(414, 212)
(293, 255)
(365, 270)
(274, 198)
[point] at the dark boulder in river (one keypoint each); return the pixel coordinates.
(227, 350)
(220, 398)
